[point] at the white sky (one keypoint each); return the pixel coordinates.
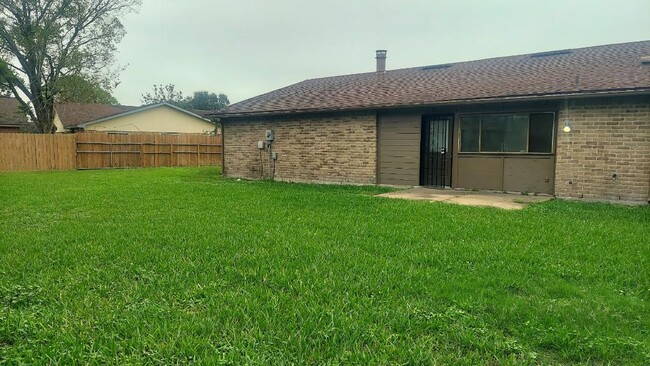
(248, 47)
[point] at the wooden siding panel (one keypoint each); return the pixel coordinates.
(400, 178)
(401, 160)
(506, 173)
(480, 172)
(528, 174)
(399, 149)
(403, 144)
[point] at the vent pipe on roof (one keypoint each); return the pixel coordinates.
(381, 60)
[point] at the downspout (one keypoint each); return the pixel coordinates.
(223, 146)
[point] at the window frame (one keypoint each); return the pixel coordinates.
(480, 133)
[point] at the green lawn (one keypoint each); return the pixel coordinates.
(180, 266)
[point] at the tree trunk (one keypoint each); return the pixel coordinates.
(44, 115)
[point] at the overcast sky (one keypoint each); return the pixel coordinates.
(244, 48)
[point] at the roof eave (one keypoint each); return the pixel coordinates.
(528, 97)
(136, 110)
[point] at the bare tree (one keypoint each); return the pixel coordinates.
(43, 40)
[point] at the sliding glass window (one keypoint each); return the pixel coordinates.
(507, 133)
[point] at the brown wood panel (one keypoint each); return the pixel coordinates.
(400, 179)
(506, 173)
(524, 174)
(406, 159)
(480, 173)
(398, 160)
(397, 127)
(402, 144)
(401, 150)
(398, 135)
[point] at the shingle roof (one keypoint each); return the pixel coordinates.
(608, 68)
(10, 114)
(73, 114)
(79, 114)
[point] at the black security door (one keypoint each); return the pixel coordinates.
(435, 161)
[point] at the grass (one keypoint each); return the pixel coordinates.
(179, 266)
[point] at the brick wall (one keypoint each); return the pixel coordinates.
(338, 148)
(609, 136)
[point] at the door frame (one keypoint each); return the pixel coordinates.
(430, 169)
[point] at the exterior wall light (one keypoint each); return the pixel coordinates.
(567, 126)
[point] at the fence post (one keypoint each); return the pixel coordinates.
(76, 147)
(156, 150)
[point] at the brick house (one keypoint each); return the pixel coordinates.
(572, 123)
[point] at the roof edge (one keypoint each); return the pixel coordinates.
(136, 110)
(589, 94)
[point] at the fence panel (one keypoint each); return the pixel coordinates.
(29, 152)
(105, 151)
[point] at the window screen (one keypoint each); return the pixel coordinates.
(512, 133)
(493, 132)
(469, 133)
(541, 133)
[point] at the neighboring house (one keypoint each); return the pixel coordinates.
(574, 123)
(12, 120)
(159, 118)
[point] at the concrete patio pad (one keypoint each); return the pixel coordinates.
(506, 201)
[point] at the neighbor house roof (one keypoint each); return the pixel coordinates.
(583, 71)
(10, 114)
(74, 114)
(80, 115)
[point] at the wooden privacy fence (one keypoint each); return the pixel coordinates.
(99, 151)
(106, 151)
(36, 152)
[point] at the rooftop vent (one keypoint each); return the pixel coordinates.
(549, 54)
(437, 67)
(645, 60)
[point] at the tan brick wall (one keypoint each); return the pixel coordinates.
(609, 136)
(340, 148)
